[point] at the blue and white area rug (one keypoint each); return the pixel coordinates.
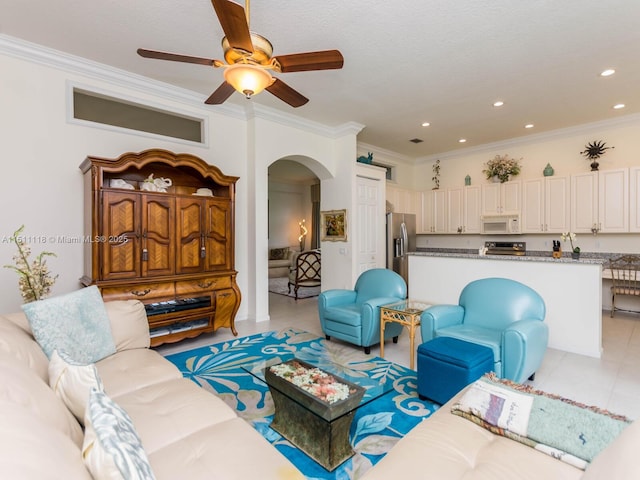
(377, 426)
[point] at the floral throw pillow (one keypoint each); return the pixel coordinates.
(76, 323)
(278, 253)
(112, 448)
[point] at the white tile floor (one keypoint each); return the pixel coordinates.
(611, 382)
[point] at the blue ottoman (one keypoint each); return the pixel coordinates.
(446, 365)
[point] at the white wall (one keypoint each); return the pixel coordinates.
(42, 150)
(288, 205)
(560, 148)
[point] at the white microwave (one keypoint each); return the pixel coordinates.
(500, 224)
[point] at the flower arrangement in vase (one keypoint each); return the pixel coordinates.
(575, 251)
(436, 174)
(35, 280)
(502, 167)
(315, 381)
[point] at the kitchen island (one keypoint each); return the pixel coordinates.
(571, 289)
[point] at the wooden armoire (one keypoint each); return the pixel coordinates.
(173, 249)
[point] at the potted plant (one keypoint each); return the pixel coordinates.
(501, 167)
(436, 174)
(35, 280)
(575, 251)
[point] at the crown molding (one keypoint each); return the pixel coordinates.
(633, 119)
(57, 59)
(276, 116)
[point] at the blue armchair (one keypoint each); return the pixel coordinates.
(504, 315)
(354, 315)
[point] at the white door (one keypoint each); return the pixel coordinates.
(370, 224)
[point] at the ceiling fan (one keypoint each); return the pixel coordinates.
(249, 59)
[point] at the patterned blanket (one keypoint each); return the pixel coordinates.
(567, 430)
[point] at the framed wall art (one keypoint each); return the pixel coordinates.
(333, 225)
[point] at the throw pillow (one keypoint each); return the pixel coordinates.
(72, 382)
(112, 448)
(278, 253)
(76, 323)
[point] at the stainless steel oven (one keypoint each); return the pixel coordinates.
(506, 248)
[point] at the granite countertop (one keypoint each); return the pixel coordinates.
(533, 256)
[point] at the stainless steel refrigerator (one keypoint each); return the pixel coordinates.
(401, 239)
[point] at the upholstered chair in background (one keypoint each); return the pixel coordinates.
(354, 315)
(502, 314)
(305, 270)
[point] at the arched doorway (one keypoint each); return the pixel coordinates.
(293, 209)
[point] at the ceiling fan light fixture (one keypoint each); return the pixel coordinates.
(247, 79)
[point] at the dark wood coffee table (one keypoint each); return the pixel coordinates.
(317, 427)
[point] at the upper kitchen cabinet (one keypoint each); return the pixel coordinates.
(501, 198)
(600, 201)
(634, 199)
(433, 212)
(546, 205)
(403, 200)
(463, 209)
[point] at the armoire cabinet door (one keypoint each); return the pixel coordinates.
(190, 236)
(217, 235)
(157, 236)
(119, 239)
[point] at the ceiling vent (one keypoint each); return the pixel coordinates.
(416, 140)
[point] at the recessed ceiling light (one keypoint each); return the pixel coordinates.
(608, 72)
(529, 125)
(499, 103)
(426, 124)
(619, 106)
(462, 140)
(416, 140)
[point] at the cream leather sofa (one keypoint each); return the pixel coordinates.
(448, 447)
(279, 266)
(186, 431)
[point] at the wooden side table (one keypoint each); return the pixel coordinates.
(406, 312)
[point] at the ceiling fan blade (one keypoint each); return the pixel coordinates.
(234, 24)
(174, 57)
(287, 94)
(223, 92)
(302, 62)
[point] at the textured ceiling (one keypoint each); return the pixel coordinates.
(440, 61)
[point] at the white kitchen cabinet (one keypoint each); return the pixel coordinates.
(501, 198)
(463, 209)
(613, 201)
(403, 200)
(634, 199)
(433, 212)
(584, 202)
(546, 205)
(600, 201)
